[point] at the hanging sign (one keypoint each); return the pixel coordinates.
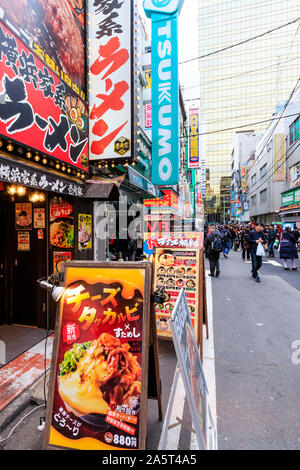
(165, 90)
(194, 151)
(39, 217)
(99, 379)
(110, 71)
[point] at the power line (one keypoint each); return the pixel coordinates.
(239, 127)
(240, 43)
(239, 74)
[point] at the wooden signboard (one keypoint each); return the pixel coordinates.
(99, 379)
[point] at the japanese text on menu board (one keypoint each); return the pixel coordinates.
(97, 397)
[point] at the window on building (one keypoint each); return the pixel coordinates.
(294, 131)
(263, 171)
(253, 200)
(253, 179)
(263, 195)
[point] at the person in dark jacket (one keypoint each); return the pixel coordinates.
(255, 237)
(212, 255)
(288, 248)
(227, 239)
(271, 237)
(245, 244)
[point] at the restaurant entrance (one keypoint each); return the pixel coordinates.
(23, 260)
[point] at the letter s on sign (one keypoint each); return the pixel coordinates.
(296, 354)
(165, 169)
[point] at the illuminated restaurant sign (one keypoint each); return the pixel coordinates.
(110, 37)
(98, 392)
(37, 108)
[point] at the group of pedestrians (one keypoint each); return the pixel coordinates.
(254, 240)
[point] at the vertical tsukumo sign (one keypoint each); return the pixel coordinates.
(110, 39)
(165, 90)
(194, 154)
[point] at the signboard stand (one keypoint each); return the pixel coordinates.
(105, 322)
(189, 366)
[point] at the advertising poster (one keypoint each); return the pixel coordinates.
(279, 157)
(61, 223)
(60, 257)
(23, 212)
(110, 75)
(84, 232)
(187, 352)
(54, 30)
(39, 217)
(174, 269)
(99, 383)
(194, 149)
(38, 109)
(23, 241)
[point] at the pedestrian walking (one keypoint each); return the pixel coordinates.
(256, 239)
(213, 248)
(288, 248)
(227, 239)
(271, 237)
(245, 244)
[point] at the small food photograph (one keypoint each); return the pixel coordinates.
(99, 375)
(161, 270)
(160, 282)
(190, 284)
(191, 272)
(170, 283)
(169, 307)
(192, 308)
(162, 324)
(171, 271)
(180, 272)
(62, 234)
(180, 283)
(166, 258)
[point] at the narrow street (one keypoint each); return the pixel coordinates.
(257, 384)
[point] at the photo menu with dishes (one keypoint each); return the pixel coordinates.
(175, 269)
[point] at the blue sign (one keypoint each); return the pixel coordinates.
(167, 7)
(165, 100)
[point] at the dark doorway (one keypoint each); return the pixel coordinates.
(23, 255)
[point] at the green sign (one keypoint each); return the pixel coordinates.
(290, 198)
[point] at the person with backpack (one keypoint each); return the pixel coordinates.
(288, 248)
(227, 240)
(213, 248)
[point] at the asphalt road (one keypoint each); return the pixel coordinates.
(257, 384)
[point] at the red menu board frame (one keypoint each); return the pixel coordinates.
(110, 299)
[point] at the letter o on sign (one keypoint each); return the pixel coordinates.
(165, 169)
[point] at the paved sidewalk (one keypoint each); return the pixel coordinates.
(257, 384)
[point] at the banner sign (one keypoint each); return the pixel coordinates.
(50, 28)
(99, 380)
(110, 72)
(290, 199)
(188, 356)
(194, 152)
(37, 109)
(279, 157)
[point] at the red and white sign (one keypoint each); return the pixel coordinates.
(148, 116)
(110, 74)
(37, 109)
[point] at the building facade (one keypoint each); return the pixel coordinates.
(242, 85)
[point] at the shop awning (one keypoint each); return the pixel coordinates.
(15, 172)
(103, 188)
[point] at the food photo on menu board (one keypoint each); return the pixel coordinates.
(175, 269)
(23, 213)
(84, 232)
(61, 223)
(97, 390)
